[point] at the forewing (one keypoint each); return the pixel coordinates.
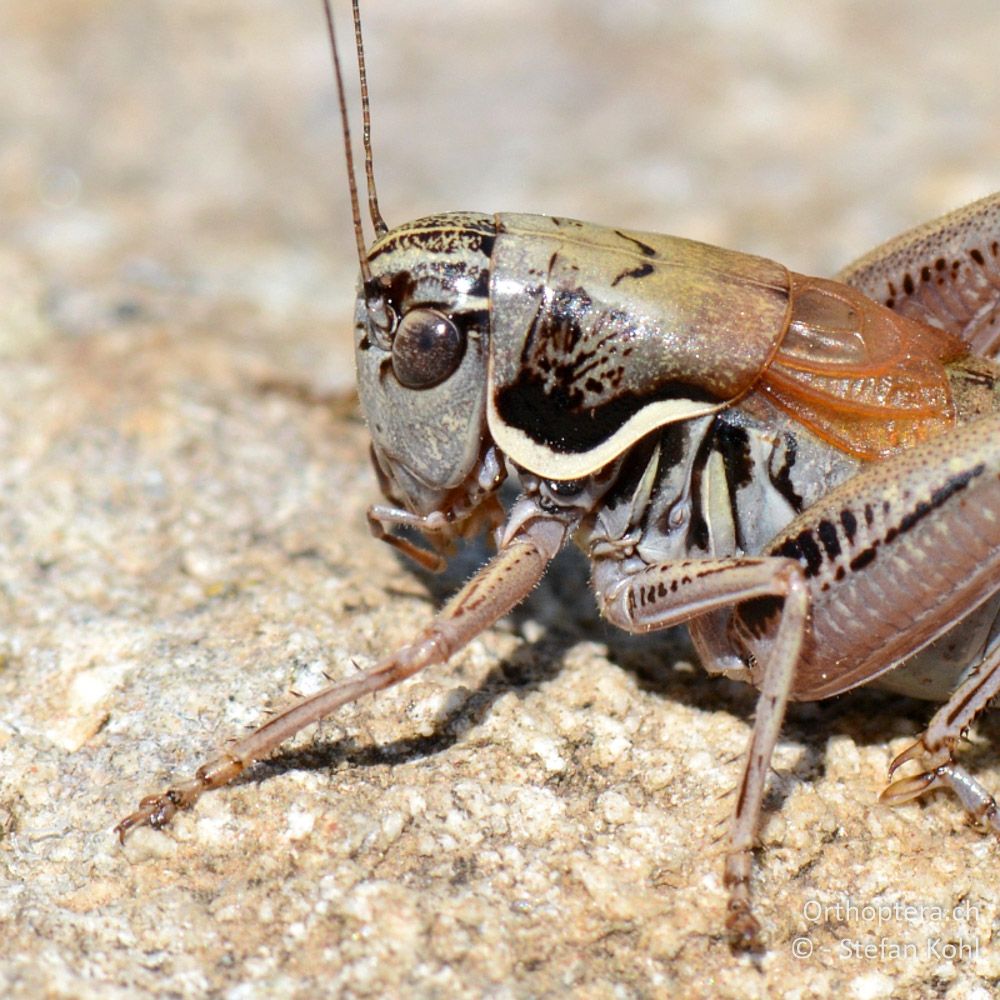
(863, 378)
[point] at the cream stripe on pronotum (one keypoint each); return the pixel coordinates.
(792, 466)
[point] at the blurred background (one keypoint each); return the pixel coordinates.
(166, 158)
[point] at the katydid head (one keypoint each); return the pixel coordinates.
(421, 339)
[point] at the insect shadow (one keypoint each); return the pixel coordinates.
(532, 665)
(664, 664)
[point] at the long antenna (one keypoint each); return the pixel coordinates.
(359, 236)
(377, 221)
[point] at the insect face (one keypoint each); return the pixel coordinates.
(421, 344)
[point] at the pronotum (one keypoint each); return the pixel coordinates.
(805, 471)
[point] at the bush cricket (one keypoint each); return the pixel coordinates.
(806, 472)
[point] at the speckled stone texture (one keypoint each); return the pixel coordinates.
(183, 479)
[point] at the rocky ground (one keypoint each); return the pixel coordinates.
(183, 479)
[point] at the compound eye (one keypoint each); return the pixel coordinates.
(427, 348)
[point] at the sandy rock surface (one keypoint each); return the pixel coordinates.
(183, 479)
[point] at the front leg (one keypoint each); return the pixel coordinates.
(533, 538)
(660, 596)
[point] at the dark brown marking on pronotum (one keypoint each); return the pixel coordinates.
(635, 272)
(551, 399)
(977, 256)
(644, 248)
(443, 237)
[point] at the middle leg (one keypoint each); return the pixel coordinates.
(660, 596)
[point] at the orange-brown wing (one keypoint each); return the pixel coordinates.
(863, 378)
